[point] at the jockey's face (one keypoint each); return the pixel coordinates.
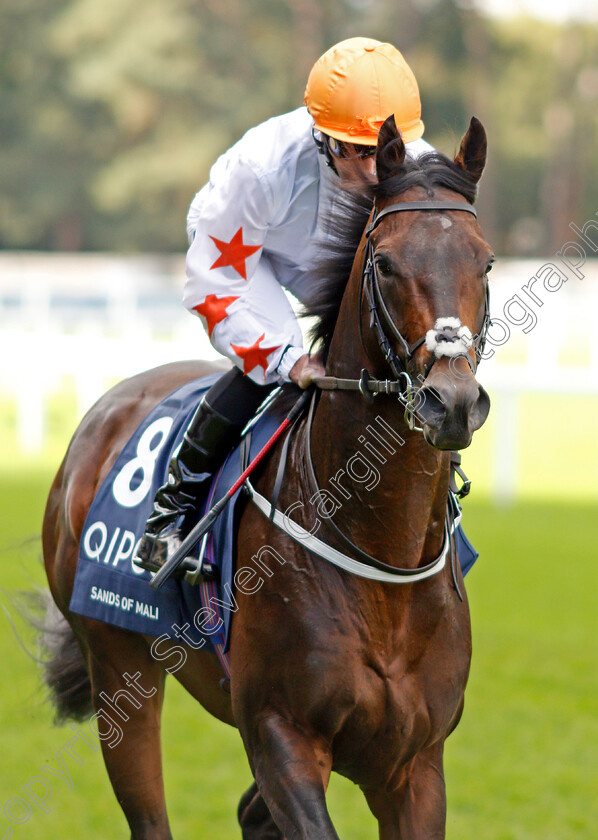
(352, 171)
(341, 150)
(353, 161)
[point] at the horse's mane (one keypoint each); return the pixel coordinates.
(330, 275)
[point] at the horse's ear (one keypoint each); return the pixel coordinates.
(472, 153)
(390, 153)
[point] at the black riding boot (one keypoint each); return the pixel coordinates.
(214, 430)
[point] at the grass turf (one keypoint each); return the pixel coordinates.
(522, 763)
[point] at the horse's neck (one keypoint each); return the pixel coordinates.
(390, 497)
(393, 487)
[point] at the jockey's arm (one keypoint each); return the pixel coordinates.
(231, 283)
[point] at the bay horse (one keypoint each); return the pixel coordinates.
(329, 670)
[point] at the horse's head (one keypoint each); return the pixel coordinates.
(425, 282)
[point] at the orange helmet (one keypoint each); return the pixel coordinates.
(356, 85)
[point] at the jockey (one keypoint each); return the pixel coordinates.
(253, 229)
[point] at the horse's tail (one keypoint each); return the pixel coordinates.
(64, 668)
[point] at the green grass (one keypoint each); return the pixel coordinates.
(521, 765)
(556, 447)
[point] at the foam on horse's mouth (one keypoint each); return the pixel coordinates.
(448, 338)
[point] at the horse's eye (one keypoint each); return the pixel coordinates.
(384, 266)
(489, 266)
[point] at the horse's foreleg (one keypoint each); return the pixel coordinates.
(128, 690)
(254, 817)
(292, 771)
(416, 810)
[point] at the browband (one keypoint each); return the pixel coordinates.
(419, 205)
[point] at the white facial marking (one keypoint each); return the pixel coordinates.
(446, 223)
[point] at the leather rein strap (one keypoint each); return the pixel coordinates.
(349, 544)
(367, 567)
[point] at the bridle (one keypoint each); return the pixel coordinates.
(366, 565)
(380, 318)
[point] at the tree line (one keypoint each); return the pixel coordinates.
(112, 112)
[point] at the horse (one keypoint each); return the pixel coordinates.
(329, 670)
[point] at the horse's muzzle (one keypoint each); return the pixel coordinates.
(451, 405)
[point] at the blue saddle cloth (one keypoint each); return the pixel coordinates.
(109, 587)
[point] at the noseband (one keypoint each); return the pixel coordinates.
(380, 317)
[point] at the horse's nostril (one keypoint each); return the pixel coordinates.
(430, 408)
(480, 410)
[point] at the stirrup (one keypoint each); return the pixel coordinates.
(197, 571)
(194, 571)
(153, 551)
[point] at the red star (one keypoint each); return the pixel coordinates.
(234, 253)
(214, 309)
(254, 355)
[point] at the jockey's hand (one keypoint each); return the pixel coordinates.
(305, 369)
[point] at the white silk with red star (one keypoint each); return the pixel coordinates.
(255, 228)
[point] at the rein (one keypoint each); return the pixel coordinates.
(430, 568)
(402, 385)
(367, 566)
